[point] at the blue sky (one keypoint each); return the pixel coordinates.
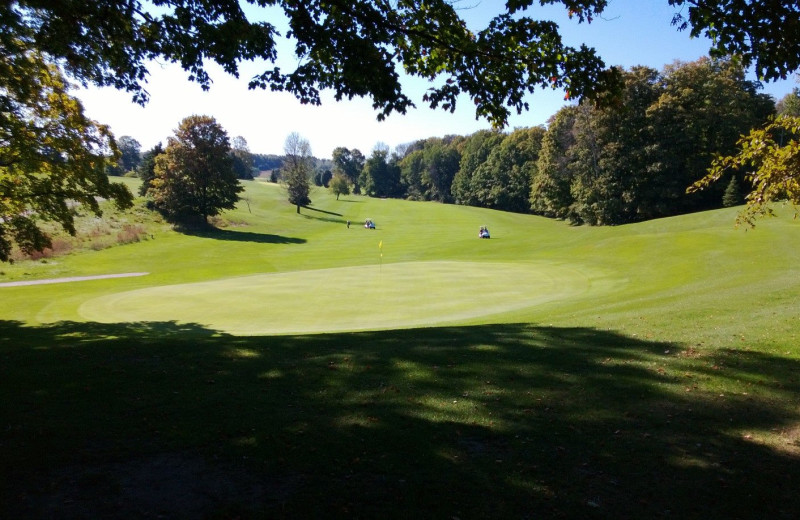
(630, 32)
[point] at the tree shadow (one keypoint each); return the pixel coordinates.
(243, 236)
(322, 211)
(493, 421)
(323, 218)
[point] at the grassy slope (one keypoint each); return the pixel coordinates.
(668, 389)
(645, 272)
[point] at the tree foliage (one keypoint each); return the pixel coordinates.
(354, 48)
(475, 151)
(52, 157)
(194, 177)
(147, 167)
(381, 174)
(243, 165)
(349, 164)
(612, 165)
(130, 153)
(263, 162)
(789, 105)
(503, 180)
(770, 158)
(297, 169)
(428, 167)
(764, 35)
(733, 194)
(339, 185)
(550, 187)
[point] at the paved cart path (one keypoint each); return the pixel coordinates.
(70, 279)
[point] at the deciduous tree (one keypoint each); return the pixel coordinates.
(770, 158)
(704, 107)
(147, 167)
(550, 188)
(411, 167)
(130, 153)
(242, 158)
(503, 181)
(194, 177)
(348, 163)
(381, 174)
(297, 169)
(339, 185)
(52, 157)
(441, 161)
(474, 153)
(789, 105)
(613, 165)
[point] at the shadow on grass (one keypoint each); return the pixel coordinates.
(243, 236)
(322, 211)
(497, 421)
(335, 217)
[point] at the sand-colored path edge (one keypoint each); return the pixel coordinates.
(70, 279)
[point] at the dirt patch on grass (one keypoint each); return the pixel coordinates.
(790, 438)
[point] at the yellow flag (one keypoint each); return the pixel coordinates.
(380, 246)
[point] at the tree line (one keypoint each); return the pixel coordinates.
(609, 164)
(133, 162)
(598, 165)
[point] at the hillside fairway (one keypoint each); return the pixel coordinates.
(287, 366)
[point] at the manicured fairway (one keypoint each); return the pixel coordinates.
(349, 298)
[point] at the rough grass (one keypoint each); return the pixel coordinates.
(96, 233)
(667, 386)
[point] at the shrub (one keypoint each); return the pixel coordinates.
(130, 233)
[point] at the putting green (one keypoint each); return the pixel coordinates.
(351, 298)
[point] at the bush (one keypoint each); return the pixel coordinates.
(131, 233)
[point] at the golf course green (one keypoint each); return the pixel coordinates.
(359, 298)
(285, 365)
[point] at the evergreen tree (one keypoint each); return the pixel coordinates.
(733, 195)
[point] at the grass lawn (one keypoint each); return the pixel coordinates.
(286, 366)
